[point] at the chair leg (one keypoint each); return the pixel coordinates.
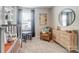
(30, 37)
(25, 40)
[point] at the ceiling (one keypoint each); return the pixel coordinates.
(36, 6)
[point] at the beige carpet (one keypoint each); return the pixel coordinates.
(39, 46)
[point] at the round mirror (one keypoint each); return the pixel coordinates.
(66, 17)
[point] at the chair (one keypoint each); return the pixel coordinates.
(26, 35)
(46, 34)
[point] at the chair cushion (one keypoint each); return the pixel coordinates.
(46, 29)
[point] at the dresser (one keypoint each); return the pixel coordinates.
(46, 34)
(67, 39)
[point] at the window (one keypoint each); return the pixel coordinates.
(26, 20)
(64, 21)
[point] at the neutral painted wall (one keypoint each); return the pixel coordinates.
(55, 20)
(39, 27)
(0, 15)
(55, 14)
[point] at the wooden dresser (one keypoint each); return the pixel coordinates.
(46, 34)
(67, 39)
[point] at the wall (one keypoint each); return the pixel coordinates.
(55, 14)
(55, 20)
(1, 10)
(39, 27)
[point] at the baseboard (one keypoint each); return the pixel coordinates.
(77, 50)
(37, 37)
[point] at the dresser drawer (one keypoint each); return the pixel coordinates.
(66, 39)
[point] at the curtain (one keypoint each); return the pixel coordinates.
(33, 23)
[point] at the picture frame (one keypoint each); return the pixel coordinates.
(43, 18)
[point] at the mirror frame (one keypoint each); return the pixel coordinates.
(73, 18)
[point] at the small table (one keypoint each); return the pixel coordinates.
(26, 36)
